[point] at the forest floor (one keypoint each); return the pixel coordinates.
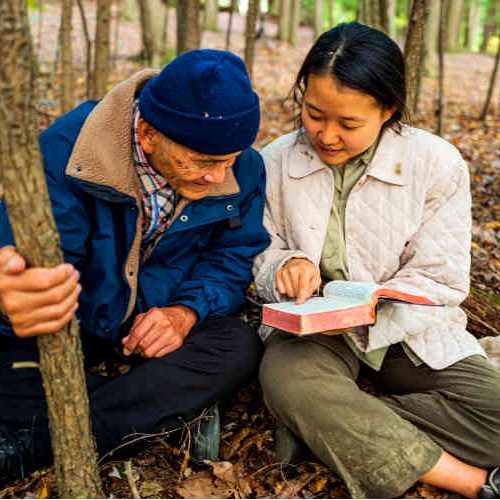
(248, 467)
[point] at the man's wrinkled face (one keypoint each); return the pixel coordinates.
(189, 173)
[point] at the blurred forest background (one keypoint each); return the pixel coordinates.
(84, 47)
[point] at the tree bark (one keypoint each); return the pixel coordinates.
(318, 17)
(66, 56)
(211, 15)
(35, 233)
(250, 27)
(473, 20)
(88, 48)
(284, 20)
(331, 17)
(101, 49)
(148, 46)
(431, 34)
(413, 52)
(491, 86)
(374, 12)
(392, 7)
(234, 4)
(385, 22)
(453, 24)
(294, 22)
(489, 25)
(188, 25)
(441, 41)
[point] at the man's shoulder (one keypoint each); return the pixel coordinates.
(68, 126)
(249, 169)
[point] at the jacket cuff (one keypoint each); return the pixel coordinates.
(197, 304)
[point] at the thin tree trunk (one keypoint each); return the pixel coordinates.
(284, 20)
(431, 34)
(374, 13)
(101, 49)
(88, 48)
(318, 17)
(234, 4)
(35, 233)
(385, 22)
(413, 51)
(116, 34)
(66, 56)
(441, 43)
(188, 25)
(392, 7)
(491, 86)
(211, 15)
(472, 25)
(250, 27)
(148, 49)
(164, 35)
(331, 16)
(453, 24)
(294, 22)
(489, 25)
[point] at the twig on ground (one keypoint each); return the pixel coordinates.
(131, 480)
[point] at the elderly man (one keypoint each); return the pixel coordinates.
(158, 198)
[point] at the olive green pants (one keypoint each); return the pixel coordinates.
(380, 446)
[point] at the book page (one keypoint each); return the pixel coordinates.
(354, 290)
(316, 305)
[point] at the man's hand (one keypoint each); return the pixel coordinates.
(38, 300)
(298, 278)
(159, 331)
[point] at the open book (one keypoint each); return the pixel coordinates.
(344, 304)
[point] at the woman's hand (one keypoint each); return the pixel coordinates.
(298, 278)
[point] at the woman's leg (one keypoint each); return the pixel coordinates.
(309, 384)
(458, 407)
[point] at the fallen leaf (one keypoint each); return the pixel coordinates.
(150, 489)
(201, 485)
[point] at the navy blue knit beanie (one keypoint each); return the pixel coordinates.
(203, 100)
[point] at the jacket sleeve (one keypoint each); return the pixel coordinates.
(220, 278)
(436, 261)
(278, 253)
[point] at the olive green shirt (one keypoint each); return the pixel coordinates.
(333, 263)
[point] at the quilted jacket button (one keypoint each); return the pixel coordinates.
(184, 218)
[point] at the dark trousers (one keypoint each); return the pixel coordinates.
(218, 356)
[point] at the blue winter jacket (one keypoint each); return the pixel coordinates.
(203, 260)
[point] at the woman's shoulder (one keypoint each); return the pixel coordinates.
(281, 145)
(419, 142)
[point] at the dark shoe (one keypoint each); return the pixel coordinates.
(491, 489)
(16, 454)
(288, 447)
(206, 437)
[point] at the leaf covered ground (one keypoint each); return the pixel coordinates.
(247, 466)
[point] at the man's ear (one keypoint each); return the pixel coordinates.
(148, 136)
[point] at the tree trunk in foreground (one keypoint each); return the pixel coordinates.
(35, 233)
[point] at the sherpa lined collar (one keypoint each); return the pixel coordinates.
(104, 145)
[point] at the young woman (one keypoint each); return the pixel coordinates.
(354, 194)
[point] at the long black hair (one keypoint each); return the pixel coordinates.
(361, 58)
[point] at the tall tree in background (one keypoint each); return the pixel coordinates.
(66, 55)
(250, 27)
(318, 17)
(490, 24)
(331, 5)
(294, 22)
(453, 24)
(491, 85)
(472, 24)
(385, 21)
(441, 42)
(188, 25)
(148, 44)
(35, 233)
(88, 49)
(284, 20)
(101, 49)
(431, 34)
(232, 8)
(211, 15)
(413, 52)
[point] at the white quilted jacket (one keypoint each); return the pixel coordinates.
(407, 227)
